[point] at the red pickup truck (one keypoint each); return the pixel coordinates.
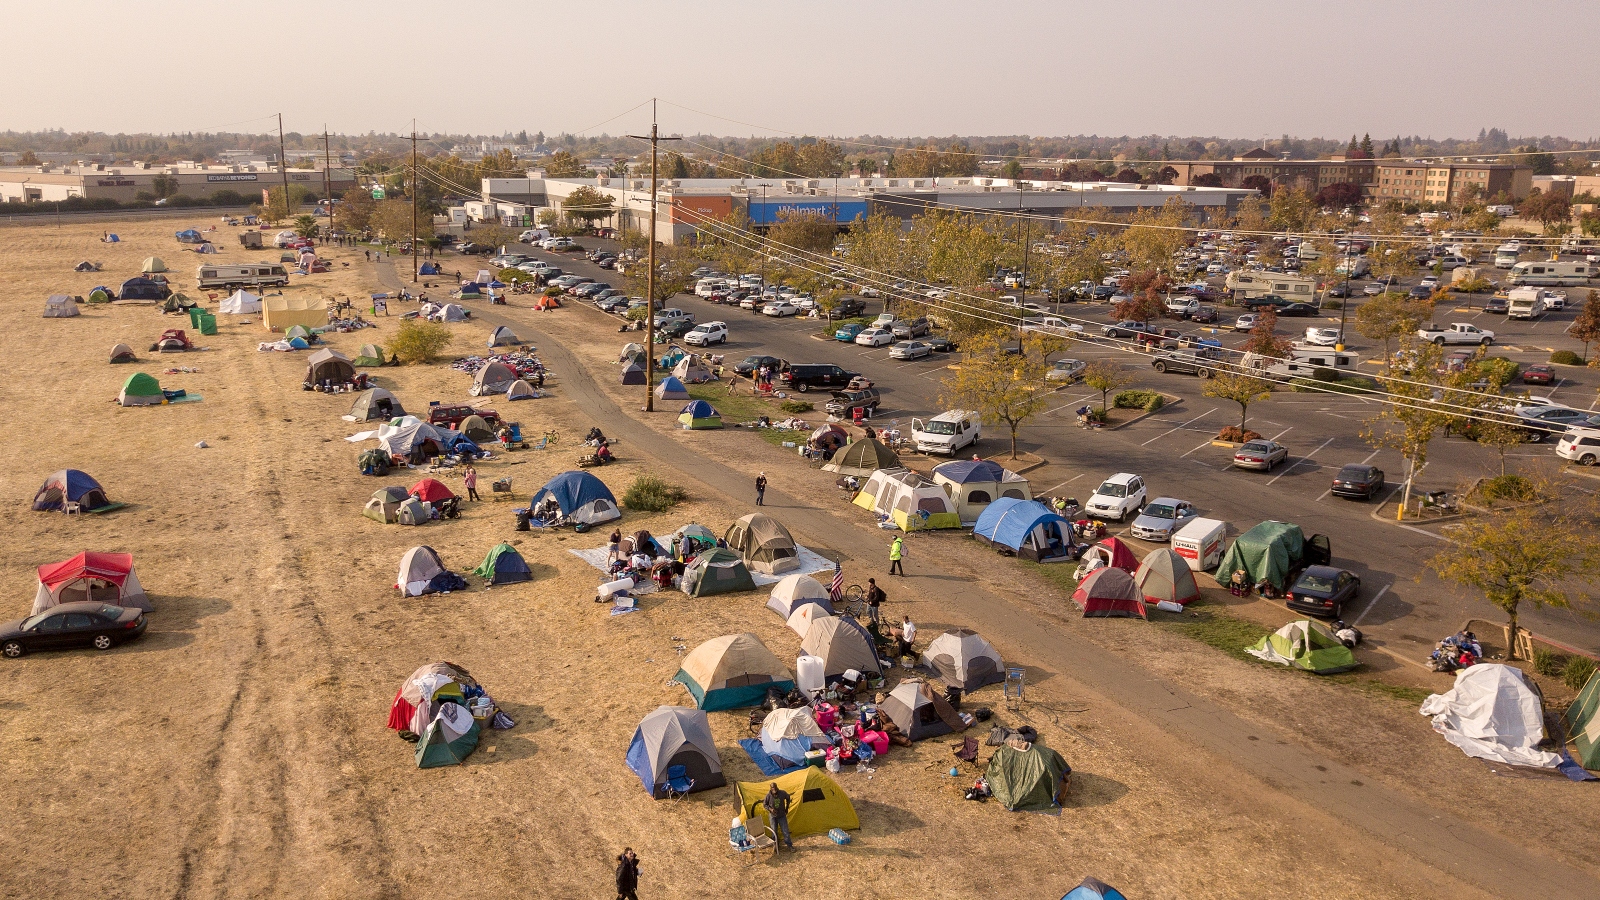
(451, 416)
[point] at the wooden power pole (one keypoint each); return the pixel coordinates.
(650, 281)
(415, 185)
(283, 167)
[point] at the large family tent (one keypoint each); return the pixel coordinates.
(1267, 552)
(764, 543)
(1305, 644)
(503, 335)
(282, 313)
(583, 498)
(101, 577)
(369, 356)
(1027, 528)
(377, 403)
(817, 803)
(964, 659)
(692, 370)
(789, 733)
(633, 373)
(141, 288)
(59, 306)
(153, 265)
(718, 571)
(409, 435)
(122, 353)
(671, 388)
(1092, 888)
(1166, 576)
(1492, 712)
(141, 390)
(862, 458)
(240, 302)
(385, 504)
(800, 620)
(504, 565)
(477, 429)
(700, 414)
(1583, 720)
(827, 439)
(330, 365)
(842, 644)
(422, 572)
(691, 540)
(972, 484)
(521, 390)
(1109, 593)
(920, 713)
(69, 490)
(1031, 779)
(911, 501)
(431, 490)
(732, 671)
(795, 591)
(675, 738)
(494, 378)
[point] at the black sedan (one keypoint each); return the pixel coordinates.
(1297, 309)
(1342, 289)
(86, 623)
(677, 328)
(754, 363)
(1323, 591)
(940, 344)
(1205, 315)
(1357, 481)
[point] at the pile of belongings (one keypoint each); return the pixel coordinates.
(1458, 651)
(524, 362)
(640, 556)
(173, 340)
(442, 708)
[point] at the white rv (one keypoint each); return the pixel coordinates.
(1525, 303)
(248, 275)
(1301, 362)
(1247, 285)
(1550, 272)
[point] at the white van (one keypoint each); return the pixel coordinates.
(249, 275)
(1549, 272)
(1525, 303)
(947, 432)
(1200, 543)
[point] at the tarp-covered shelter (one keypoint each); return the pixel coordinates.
(1026, 527)
(282, 313)
(583, 498)
(1305, 644)
(377, 403)
(919, 712)
(817, 803)
(972, 484)
(503, 335)
(494, 378)
(239, 303)
(732, 671)
(964, 659)
(675, 737)
(422, 572)
(717, 571)
(59, 306)
(764, 543)
(795, 591)
(1164, 575)
(369, 356)
(911, 501)
(190, 236)
(692, 370)
(671, 388)
(1267, 552)
(842, 644)
(101, 577)
(700, 414)
(122, 353)
(70, 489)
(1493, 712)
(1031, 779)
(329, 364)
(1109, 593)
(410, 434)
(862, 458)
(504, 565)
(141, 390)
(788, 733)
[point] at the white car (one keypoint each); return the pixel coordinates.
(875, 337)
(1121, 495)
(706, 334)
(1430, 282)
(780, 308)
(753, 301)
(909, 350)
(1322, 337)
(1245, 322)
(805, 302)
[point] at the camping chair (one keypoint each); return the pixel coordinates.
(679, 784)
(764, 839)
(502, 486)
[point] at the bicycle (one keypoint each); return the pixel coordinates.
(854, 601)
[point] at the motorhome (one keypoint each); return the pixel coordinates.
(248, 275)
(1552, 272)
(1525, 303)
(1301, 362)
(1247, 285)
(1353, 266)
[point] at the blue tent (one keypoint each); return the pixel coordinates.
(112, 239)
(497, 283)
(1094, 889)
(701, 409)
(671, 388)
(965, 471)
(456, 442)
(428, 268)
(504, 565)
(70, 486)
(141, 288)
(1026, 526)
(299, 343)
(190, 236)
(583, 498)
(675, 738)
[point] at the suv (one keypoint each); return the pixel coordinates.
(806, 376)
(452, 415)
(707, 334)
(1581, 445)
(905, 329)
(752, 364)
(844, 402)
(1120, 495)
(1202, 361)
(1264, 300)
(846, 308)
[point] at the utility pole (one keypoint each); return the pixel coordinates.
(327, 176)
(650, 280)
(415, 185)
(283, 167)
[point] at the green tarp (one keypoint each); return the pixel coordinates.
(1583, 723)
(1264, 553)
(1305, 644)
(433, 750)
(1027, 779)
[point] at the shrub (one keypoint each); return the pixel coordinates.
(1507, 487)
(1578, 670)
(419, 342)
(1548, 662)
(1323, 373)
(1566, 358)
(1496, 370)
(1150, 401)
(1232, 433)
(1333, 304)
(651, 494)
(797, 406)
(513, 276)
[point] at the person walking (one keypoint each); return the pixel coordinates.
(470, 476)
(897, 552)
(761, 489)
(628, 874)
(776, 804)
(875, 598)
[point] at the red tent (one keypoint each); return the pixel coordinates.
(1118, 556)
(108, 577)
(429, 490)
(1109, 592)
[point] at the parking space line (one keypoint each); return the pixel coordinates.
(1374, 602)
(1184, 425)
(1065, 405)
(1206, 444)
(1306, 458)
(1280, 434)
(1064, 483)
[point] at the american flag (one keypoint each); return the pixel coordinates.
(836, 590)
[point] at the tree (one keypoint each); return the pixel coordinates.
(1128, 176)
(1238, 388)
(1412, 417)
(1548, 209)
(1012, 170)
(812, 232)
(562, 164)
(164, 185)
(1542, 163)
(1586, 325)
(1206, 179)
(1260, 183)
(353, 212)
(1144, 289)
(27, 159)
(1264, 339)
(1339, 195)
(1001, 388)
(1291, 210)
(1366, 146)
(279, 210)
(305, 225)
(1388, 317)
(419, 341)
(391, 219)
(487, 233)
(1153, 236)
(1105, 376)
(1167, 175)
(588, 205)
(674, 268)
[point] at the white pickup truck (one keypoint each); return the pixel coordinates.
(1455, 333)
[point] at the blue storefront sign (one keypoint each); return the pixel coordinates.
(774, 209)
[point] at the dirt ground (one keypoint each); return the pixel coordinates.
(239, 748)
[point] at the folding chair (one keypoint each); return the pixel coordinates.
(679, 784)
(765, 839)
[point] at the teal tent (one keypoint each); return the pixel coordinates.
(436, 748)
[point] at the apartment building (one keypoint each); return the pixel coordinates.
(1310, 174)
(1428, 181)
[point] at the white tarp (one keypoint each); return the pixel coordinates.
(1492, 714)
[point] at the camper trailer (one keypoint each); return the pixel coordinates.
(1249, 285)
(1551, 273)
(1301, 363)
(1525, 303)
(250, 240)
(251, 275)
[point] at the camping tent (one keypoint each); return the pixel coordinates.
(493, 378)
(431, 703)
(764, 543)
(919, 712)
(206, 247)
(828, 438)
(788, 733)
(301, 332)
(59, 306)
(368, 356)
(675, 736)
(422, 572)
(450, 312)
(141, 390)
(102, 577)
(583, 498)
(795, 591)
(1583, 721)
(1267, 552)
(691, 540)
(504, 565)
(1493, 712)
(240, 302)
(640, 541)
(521, 390)
(732, 671)
(964, 659)
(817, 803)
(1027, 527)
(190, 236)
(412, 512)
(374, 462)
(862, 458)
(1092, 888)
(972, 484)
(477, 429)
(429, 268)
(153, 265)
(122, 353)
(1164, 575)
(329, 364)
(1112, 552)
(449, 739)
(671, 388)
(842, 644)
(385, 505)
(1108, 593)
(377, 403)
(631, 352)
(1305, 644)
(911, 501)
(431, 490)
(717, 571)
(503, 335)
(173, 340)
(70, 489)
(1031, 779)
(692, 370)
(282, 313)
(141, 288)
(410, 434)
(800, 620)
(700, 414)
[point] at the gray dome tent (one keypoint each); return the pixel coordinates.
(862, 458)
(764, 543)
(376, 404)
(493, 378)
(919, 712)
(503, 335)
(328, 364)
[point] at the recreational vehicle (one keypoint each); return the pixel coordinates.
(1553, 273)
(251, 275)
(1249, 285)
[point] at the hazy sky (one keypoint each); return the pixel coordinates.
(1232, 68)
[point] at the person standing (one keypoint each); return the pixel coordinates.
(627, 875)
(908, 635)
(761, 489)
(776, 804)
(875, 598)
(470, 476)
(897, 552)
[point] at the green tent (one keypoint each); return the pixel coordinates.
(141, 390)
(1583, 723)
(504, 565)
(1264, 553)
(435, 748)
(1032, 779)
(301, 332)
(100, 295)
(718, 571)
(370, 355)
(1305, 644)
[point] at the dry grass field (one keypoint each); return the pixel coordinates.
(239, 748)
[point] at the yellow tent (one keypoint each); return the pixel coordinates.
(816, 802)
(283, 313)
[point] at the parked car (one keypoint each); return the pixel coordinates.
(1161, 518)
(472, 249)
(848, 332)
(83, 623)
(910, 350)
(1297, 310)
(805, 376)
(941, 345)
(1358, 481)
(706, 334)
(1205, 315)
(1323, 591)
(1261, 455)
(1322, 337)
(752, 302)
(1066, 370)
(1342, 289)
(1539, 422)
(1245, 322)
(613, 303)
(1204, 362)
(677, 328)
(752, 364)
(875, 337)
(847, 307)
(1495, 305)
(1120, 495)
(1124, 329)
(451, 416)
(780, 308)
(911, 328)
(844, 402)
(1538, 373)
(1580, 445)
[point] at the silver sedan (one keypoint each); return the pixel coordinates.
(909, 350)
(1161, 517)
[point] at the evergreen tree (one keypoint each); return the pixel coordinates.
(1366, 145)
(1352, 150)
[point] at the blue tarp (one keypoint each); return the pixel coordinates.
(574, 490)
(768, 766)
(639, 762)
(1008, 520)
(964, 471)
(190, 236)
(792, 750)
(428, 268)
(701, 409)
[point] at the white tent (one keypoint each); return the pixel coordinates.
(800, 620)
(692, 370)
(795, 591)
(1492, 713)
(60, 306)
(450, 312)
(239, 303)
(910, 500)
(400, 438)
(973, 484)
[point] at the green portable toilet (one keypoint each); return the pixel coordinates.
(206, 322)
(195, 313)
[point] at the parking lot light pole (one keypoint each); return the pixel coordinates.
(1344, 302)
